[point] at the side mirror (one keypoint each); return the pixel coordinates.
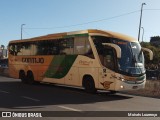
(116, 47)
(149, 51)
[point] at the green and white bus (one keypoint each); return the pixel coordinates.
(93, 59)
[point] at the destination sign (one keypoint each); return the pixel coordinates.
(33, 60)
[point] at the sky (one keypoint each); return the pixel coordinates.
(42, 17)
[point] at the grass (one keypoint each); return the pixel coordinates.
(152, 89)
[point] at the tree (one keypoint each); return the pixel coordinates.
(155, 41)
(156, 53)
(2, 46)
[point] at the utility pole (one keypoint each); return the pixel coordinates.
(142, 34)
(22, 30)
(140, 20)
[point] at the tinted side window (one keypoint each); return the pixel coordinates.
(47, 47)
(82, 46)
(16, 49)
(26, 48)
(41, 47)
(11, 49)
(89, 52)
(66, 46)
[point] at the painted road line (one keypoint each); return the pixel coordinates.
(71, 109)
(29, 98)
(2, 91)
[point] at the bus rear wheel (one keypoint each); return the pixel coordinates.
(89, 85)
(30, 78)
(22, 76)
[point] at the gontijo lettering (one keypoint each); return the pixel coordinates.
(33, 60)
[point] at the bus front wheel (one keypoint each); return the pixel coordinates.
(89, 85)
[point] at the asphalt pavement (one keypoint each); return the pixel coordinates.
(59, 101)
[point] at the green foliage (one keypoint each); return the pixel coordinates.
(155, 50)
(155, 41)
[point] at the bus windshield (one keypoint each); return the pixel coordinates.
(132, 59)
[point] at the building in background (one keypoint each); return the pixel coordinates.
(3, 52)
(3, 57)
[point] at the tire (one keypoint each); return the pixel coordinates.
(22, 76)
(89, 85)
(30, 78)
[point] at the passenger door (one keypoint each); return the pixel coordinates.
(107, 73)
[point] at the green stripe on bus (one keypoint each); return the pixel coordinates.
(60, 66)
(77, 35)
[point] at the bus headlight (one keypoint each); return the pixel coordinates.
(122, 86)
(122, 80)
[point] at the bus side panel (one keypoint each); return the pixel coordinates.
(54, 80)
(60, 66)
(36, 64)
(106, 79)
(39, 66)
(59, 69)
(15, 65)
(13, 72)
(86, 66)
(72, 78)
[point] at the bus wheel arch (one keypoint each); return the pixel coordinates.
(89, 84)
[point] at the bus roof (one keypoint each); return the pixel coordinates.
(79, 33)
